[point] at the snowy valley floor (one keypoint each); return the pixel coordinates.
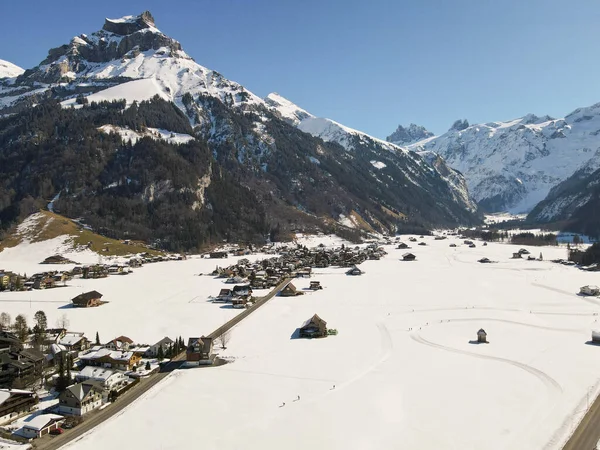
(405, 373)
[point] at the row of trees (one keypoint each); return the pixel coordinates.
(22, 330)
(171, 351)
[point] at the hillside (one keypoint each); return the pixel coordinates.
(46, 225)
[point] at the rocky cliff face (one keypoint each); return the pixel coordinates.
(405, 136)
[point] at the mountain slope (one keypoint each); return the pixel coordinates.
(425, 172)
(143, 142)
(513, 165)
(575, 202)
(9, 70)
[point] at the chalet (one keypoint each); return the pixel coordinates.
(408, 257)
(121, 343)
(33, 357)
(239, 302)
(217, 255)
(164, 343)
(402, 245)
(452, 245)
(241, 291)
(108, 379)
(524, 251)
(87, 300)
(305, 272)
(43, 282)
(290, 291)
(467, 242)
(14, 402)
(313, 328)
(199, 351)
(234, 280)
(412, 239)
(57, 259)
(116, 269)
(589, 290)
(114, 359)
(484, 260)
(485, 244)
(517, 256)
(225, 295)
(482, 336)
(439, 238)
(315, 285)
(472, 245)
(41, 425)
(422, 243)
(354, 271)
(79, 399)
(74, 342)
(4, 279)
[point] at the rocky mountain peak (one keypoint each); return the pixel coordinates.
(129, 24)
(409, 135)
(459, 125)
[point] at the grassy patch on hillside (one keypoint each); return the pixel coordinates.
(48, 225)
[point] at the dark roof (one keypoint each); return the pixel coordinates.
(481, 330)
(32, 354)
(84, 298)
(314, 320)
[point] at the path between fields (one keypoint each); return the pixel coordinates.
(54, 442)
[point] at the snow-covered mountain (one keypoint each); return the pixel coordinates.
(409, 135)
(354, 140)
(272, 167)
(511, 166)
(9, 70)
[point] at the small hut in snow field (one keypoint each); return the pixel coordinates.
(354, 271)
(313, 327)
(290, 291)
(589, 290)
(408, 257)
(482, 336)
(87, 300)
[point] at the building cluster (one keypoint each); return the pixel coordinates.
(11, 281)
(97, 374)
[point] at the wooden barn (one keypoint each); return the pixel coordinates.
(354, 271)
(290, 291)
(315, 285)
(87, 300)
(313, 328)
(402, 245)
(408, 257)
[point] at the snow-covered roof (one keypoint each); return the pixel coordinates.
(4, 395)
(71, 339)
(40, 422)
(97, 373)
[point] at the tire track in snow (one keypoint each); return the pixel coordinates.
(570, 294)
(530, 325)
(551, 384)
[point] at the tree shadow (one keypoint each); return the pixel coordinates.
(226, 306)
(595, 344)
(67, 306)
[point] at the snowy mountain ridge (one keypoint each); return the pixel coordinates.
(354, 140)
(513, 165)
(9, 70)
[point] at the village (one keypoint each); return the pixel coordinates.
(55, 380)
(77, 375)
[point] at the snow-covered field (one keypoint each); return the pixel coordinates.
(405, 373)
(157, 300)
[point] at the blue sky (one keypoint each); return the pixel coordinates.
(370, 65)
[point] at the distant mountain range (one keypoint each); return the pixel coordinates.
(514, 165)
(122, 128)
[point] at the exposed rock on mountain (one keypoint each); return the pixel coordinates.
(410, 135)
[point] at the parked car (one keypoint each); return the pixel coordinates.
(57, 431)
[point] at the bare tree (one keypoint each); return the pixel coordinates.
(224, 338)
(21, 327)
(5, 321)
(62, 322)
